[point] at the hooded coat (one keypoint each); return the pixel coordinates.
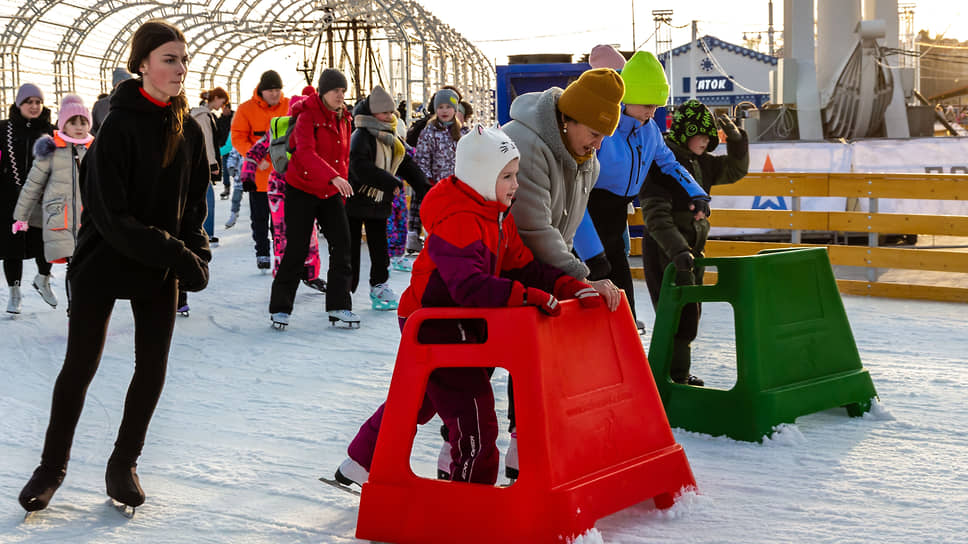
(53, 187)
(473, 255)
(373, 186)
(206, 121)
(251, 122)
(17, 137)
(321, 142)
(139, 217)
(553, 193)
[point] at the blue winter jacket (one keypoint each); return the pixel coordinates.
(625, 159)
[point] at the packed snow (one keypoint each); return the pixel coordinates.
(251, 417)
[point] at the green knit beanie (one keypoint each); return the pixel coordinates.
(692, 117)
(645, 80)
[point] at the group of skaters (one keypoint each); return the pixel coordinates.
(523, 215)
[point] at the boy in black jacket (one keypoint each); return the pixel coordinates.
(674, 234)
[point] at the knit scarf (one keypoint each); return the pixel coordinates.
(390, 149)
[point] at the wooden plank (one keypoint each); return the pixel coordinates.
(635, 246)
(896, 223)
(777, 184)
(635, 219)
(770, 219)
(877, 257)
(875, 289)
(918, 186)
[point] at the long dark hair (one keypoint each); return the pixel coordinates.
(150, 36)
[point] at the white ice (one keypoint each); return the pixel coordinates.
(250, 417)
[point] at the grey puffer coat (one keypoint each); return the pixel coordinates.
(52, 188)
(553, 188)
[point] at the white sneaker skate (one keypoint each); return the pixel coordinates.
(230, 222)
(348, 319)
(14, 305)
(42, 285)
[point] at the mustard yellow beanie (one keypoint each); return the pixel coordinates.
(594, 100)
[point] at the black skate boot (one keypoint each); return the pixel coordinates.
(40, 488)
(122, 483)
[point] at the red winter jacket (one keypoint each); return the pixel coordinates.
(321, 139)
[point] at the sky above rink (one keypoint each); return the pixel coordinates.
(507, 27)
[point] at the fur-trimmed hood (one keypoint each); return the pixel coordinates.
(44, 147)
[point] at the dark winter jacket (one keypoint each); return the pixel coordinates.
(372, 185)
(665, 204)
(224, 125)
(17, 137)
(142, 222)
(473, 256)
(321, 139)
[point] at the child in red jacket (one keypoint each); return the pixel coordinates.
(473, 257)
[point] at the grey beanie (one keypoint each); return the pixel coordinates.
(446, 96)
(381, 101)
(26, 91)
(331, 79)
(119, 75)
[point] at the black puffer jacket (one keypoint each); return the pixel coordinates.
(17, 137)
(365, 175)
(140, 219)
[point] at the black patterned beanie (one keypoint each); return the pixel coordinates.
(692, 118)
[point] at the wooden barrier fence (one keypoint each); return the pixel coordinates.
(871, 187)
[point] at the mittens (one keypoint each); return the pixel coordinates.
(700, 205)
(568, 287)
(19, 226)
(543, 300)
(192, 271)
(684, 261)
(248, 186)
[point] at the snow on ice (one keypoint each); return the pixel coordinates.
(251, 417)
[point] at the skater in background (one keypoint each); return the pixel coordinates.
(53, 183)
(316, 187)
(100, 108)
(277, 208)
(223, 141)
(625, 158)
(251, 122)
(473, 258)
(378, 155)
(674, 231)
(141, 238)
(29, 120)
(435, 153)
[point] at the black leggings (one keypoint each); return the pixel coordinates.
(13, 269)
(609, 213)
(376, 243)
(154, 318)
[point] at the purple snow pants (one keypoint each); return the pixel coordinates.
(465, 402)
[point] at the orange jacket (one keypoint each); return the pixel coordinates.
(251, 122)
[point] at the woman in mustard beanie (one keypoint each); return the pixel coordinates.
(558, 132)
(625, 159)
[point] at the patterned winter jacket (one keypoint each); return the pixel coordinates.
(250, 165)
(53, 186)
(473, 257)
(436, 151)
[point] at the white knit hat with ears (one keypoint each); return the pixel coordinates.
(481, 155)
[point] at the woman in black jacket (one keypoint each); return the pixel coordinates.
(29, 120)
(143, 183)
(378, 163)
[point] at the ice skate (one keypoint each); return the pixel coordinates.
(40, 488)
(280, 320)
(184, 310)
(401, 264)
(349, 473)
(213, 242)
(344, 318)
(263, 262)
(224, 195)
(42, 285)
(414, 242)
(123, 485)
(318, 284)
(511, 459)
(230, 222)
(383, 298)
(14, 304)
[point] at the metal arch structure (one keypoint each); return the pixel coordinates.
(397, 43)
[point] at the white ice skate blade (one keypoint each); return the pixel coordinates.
(339, 486)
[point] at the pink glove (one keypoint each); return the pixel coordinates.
(19, 226)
